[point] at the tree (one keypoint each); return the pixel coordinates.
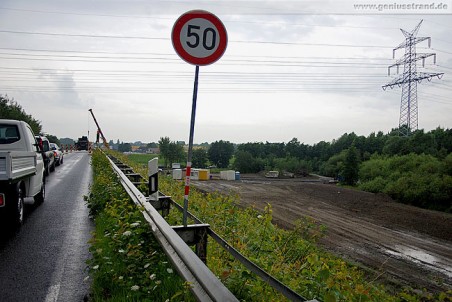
(351, 166)
(175, 153)
(152, 145)
(124, 147)
(292, 164)
(9, 109)
(333, 166)
(396, 145)
(321, 150)
(164, 143)
(292, 147)
(53, 139)
(220, 152)
(172, 151)
(246, 163)
(199, 158)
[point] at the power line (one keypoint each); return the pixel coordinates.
(231, 41)
(166, 39)
(80, 14)
(167, 18)
(127, 55)
(129, 60)
(81, 35)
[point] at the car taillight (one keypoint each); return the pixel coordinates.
(54, 153)
(2, 200)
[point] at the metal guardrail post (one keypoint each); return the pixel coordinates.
(195, 234)
(163, 203)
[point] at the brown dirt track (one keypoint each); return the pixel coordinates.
(397, 244)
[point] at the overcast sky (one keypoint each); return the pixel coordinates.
(306, 69)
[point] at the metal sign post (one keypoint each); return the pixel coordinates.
(190, 146)
(199, 38)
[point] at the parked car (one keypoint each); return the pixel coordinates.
(21, 170)
(48, 155)
(58, 153)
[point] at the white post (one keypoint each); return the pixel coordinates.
(153, 170)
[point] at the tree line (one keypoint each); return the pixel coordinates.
(10, 109)
(326, 158)
(416, 169)
(424, 180)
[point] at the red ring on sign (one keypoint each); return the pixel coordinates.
(177, 28)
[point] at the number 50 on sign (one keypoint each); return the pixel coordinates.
(199, 37)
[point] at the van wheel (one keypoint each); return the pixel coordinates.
(39, 198)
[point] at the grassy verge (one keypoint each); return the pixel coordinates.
(127, 263)
(291, 256)
(141, 158)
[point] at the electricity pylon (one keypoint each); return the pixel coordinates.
(408, 121)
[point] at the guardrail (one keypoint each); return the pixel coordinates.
(205, 285)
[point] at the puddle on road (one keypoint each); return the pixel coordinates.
(422, 258)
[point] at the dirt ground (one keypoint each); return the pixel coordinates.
(397, 244)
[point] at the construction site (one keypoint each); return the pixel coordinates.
(367, 229)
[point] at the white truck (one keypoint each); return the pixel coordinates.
(21, 170)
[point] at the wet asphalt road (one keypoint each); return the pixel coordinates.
(46, 259)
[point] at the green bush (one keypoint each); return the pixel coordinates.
(376, 185)
(292, 164)
(420, 180)
(127, 262)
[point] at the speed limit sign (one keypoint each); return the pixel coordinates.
(199, 37)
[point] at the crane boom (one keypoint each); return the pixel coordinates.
(99, 130)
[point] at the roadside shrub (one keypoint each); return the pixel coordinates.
(105, 184)
(127, 262)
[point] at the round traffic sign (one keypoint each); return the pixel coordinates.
(199, 37)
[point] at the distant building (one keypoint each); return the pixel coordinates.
(153, 150)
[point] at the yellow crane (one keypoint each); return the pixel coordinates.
(99, 131)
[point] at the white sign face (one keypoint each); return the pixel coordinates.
(199, 37)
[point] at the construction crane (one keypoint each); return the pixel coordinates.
(99, 131)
